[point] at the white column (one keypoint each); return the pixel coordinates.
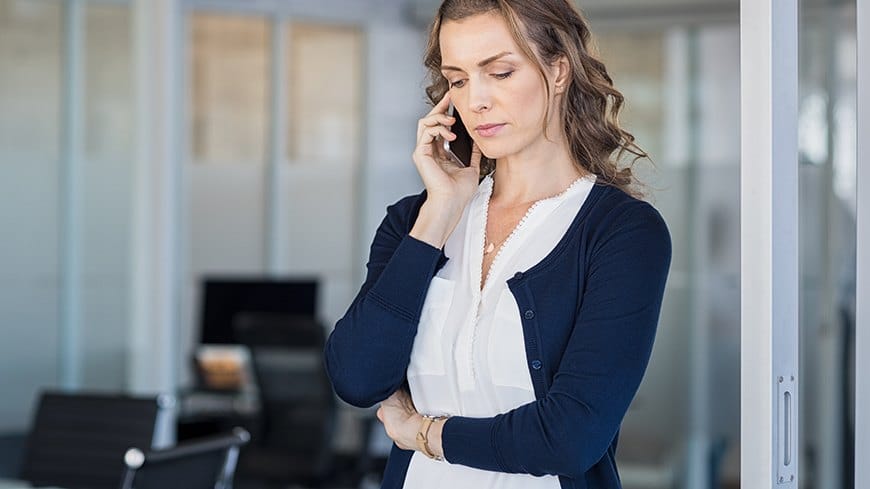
(70, 365)
(769, 243)
(155, 287)
(862, 296)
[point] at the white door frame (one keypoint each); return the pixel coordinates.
(769, 244)
(862, 293)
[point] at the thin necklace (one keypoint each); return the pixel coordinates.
(492, 245)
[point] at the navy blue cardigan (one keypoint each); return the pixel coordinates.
(589, 311)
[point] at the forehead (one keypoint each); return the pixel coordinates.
(465, 42)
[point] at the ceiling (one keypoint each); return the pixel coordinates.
(420, 11)
(634, 11)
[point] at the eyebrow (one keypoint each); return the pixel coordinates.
(481, 64)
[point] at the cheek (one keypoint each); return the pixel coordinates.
(529, 100)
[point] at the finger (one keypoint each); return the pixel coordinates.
(442, 104)
(437, 120)
(434, 121)
(430, 134)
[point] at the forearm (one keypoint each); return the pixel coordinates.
(367, 354)
(369, 349)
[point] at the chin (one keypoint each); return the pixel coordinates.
(494, 151)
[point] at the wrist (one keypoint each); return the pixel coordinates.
(435, 444)
(436, 221)
(428, 438)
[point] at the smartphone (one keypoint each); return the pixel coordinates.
(459, 150)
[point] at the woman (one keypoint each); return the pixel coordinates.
(505, 322)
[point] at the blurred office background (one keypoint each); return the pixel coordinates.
(295, 124)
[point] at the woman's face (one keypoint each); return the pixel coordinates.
(498, 91)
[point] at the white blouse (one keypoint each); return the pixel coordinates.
(469, 356)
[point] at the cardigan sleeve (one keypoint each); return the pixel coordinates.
(569, 429)
(367, 354)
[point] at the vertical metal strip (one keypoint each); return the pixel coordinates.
(70, 344)
(698, 465)
(140, 209)
(784, 240)
(769, 232)
(166, 193)
(276, 242)
(862, 326)
(363, 168)
(176, 216)
(154, 311)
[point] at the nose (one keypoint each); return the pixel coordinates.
(479, 97)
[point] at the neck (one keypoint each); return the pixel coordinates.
(534, 174)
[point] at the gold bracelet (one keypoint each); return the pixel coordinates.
(423, 436)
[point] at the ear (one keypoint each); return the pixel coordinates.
(562, 74)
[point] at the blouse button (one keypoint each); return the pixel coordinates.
(536, 364)
(529, 314)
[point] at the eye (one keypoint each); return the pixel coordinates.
(502, 76)
(457, 84)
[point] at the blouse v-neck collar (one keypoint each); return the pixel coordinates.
(479, 223)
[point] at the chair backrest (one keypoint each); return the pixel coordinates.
(205, 463)
(254, 328)
(298, 404)
(79, 440)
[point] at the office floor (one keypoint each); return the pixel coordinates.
(241, 483)
(347, 473)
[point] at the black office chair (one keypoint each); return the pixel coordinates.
(206, 463)
(11, 451)
(294, 443)
(78, 441)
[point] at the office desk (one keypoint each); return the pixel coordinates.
(203, 413)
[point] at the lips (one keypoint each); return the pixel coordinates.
(486, 130)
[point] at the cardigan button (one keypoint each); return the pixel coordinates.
(529, 314)
(518, 275)
(536, 364)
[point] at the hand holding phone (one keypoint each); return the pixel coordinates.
(449, 165)
(459, 150)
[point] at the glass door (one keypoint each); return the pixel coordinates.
(274, 124)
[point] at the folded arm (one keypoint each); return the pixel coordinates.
(569, 430)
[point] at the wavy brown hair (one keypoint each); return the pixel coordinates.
(545, 30)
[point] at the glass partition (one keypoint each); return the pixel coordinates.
(229, 75)
(106, 182)
(681, 84)
(33, 41)
(30, 87)
(325, 84)
(827, 135)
